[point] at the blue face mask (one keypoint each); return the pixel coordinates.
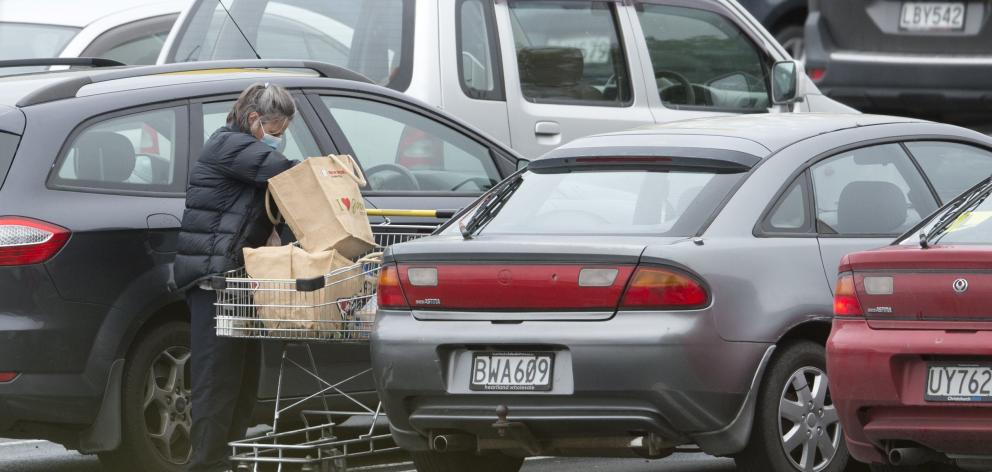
(267, 139)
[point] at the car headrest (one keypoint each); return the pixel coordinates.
(550, 66)
(104, 156)
(875, 207)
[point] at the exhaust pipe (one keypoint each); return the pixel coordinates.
(903, 456)
(452, 442)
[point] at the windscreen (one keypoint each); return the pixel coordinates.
(8, 145)
(620, 202)
(30, 41)
(372, 37)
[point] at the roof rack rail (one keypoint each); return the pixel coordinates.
(61, 61)
(69, 87)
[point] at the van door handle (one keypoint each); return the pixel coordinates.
(547, 128)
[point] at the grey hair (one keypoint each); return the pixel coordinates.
(270, 101)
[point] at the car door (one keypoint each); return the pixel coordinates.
(700, 60)
(412, 158)
(865, 197)
(568, 71)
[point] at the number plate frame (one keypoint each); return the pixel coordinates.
(513, 388)
(954, 398)
(925, 27)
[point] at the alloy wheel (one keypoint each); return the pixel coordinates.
(809, 427)
(167, 405)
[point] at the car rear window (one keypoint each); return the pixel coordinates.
(372, 37)
(8, 145)
(28, 41)
(634, 202)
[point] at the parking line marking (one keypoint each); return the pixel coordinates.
(22, 443)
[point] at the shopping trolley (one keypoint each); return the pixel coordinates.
(338, 307)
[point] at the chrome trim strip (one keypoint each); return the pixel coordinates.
(874, 58)
(438, 315)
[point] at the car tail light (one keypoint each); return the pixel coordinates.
(390, 291)
(846, 297)
(658, 288)
(8, 376)
(816, 73)
(26, 241)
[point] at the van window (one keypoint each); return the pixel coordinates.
(701, 59)
(138, 152)
(372, 37)
(25, 41)
(570, 52)
(8, 145)
(403, 151)
(477, 51)
(297, 143)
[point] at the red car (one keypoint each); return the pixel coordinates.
(910, 354)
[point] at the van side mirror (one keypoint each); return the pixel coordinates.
(785, 82)
(522, 164)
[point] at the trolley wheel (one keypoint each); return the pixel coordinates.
(430, 461)
(156, 403)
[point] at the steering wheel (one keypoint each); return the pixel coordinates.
(690, 94)
(403, 171)
(481, 182)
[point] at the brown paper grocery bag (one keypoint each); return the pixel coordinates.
(321, 200)
(281, 306)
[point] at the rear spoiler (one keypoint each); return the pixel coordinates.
(723, 161)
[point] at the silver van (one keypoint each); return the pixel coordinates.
(532, 73)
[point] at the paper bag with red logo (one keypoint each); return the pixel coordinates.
(321, 200)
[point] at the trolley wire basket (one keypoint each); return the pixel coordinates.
(338, 307)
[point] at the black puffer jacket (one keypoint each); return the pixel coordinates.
(225, 205)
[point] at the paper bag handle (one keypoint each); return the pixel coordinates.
(351, 169)
(275, 220)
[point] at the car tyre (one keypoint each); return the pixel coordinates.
(156, 403)
(429, 461)
(795, 424)
(793, 39)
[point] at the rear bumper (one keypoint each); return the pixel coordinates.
(638, 373)
(883, 82)
(877, 380)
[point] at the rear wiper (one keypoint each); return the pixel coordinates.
(491, 206)
(954, 211)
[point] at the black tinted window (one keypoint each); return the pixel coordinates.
(951, 167)
(143, 152)
(8, 145)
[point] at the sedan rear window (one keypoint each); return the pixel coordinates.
(634, 202)
(372, 37)
(8, 145)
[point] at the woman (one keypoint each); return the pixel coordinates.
(225, 213)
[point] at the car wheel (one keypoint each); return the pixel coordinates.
(796, 426)
(429, 461)
(793, 39)
(156, 400)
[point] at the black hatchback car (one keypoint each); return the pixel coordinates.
(93, 169)
(925, 58)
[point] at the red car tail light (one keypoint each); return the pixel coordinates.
(658, 288)
(816, 73)
(8, 376)
(25, 241)
(390, 291)
(846, 301)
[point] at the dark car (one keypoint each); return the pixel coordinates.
(93, 346)
(930, 58)
(910, 355)
(639, 292)
(785, 19)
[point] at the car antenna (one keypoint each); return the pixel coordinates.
(231, 17)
